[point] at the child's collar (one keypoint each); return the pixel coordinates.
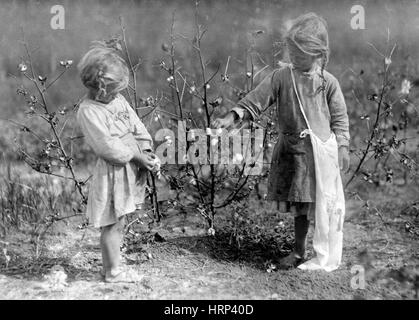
(103, 103)
(315, 69)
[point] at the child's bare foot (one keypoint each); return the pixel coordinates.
(290, 261)
(123, 275)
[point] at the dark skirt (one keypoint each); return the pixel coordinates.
(292, 173)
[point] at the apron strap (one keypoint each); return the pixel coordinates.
(304, 133)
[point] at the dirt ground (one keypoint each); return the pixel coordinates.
(183, 263)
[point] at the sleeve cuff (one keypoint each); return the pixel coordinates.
(239, 111)
(145, 145)
(342, 140)
(244, 112)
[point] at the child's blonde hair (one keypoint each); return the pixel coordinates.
(101, 66)
(306, 39)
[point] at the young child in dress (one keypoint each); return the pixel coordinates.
(309, 101)
(123, 146)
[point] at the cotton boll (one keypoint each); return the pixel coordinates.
(168, 140)
(238, 157)
(192, 135)
(157, 164)
(22, 67)
(406, 86)
(211, 232)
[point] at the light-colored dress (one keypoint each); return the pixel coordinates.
(113, 130)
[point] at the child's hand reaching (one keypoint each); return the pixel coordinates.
(344, 159)
(225, 122)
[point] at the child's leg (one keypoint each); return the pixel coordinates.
(110, 241)
(105, 258)
(301, 226)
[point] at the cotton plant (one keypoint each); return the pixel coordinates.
(387, 113)
(46, 142)
(196, 98)
(195, 102)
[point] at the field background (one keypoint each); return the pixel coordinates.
(229, 24)
(214, 267)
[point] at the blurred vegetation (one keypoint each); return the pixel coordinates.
(229, 23)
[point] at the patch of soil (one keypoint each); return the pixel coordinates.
(182, 262)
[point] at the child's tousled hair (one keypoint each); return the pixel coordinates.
(101, 66)
(306, 39)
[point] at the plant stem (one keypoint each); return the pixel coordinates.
(53, 128)
(373, 132)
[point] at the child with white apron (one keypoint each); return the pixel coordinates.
(313, 141)
(330, 201)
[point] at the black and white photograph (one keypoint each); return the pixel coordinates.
(222, 151)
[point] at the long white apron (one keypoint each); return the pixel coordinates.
(330, 201)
